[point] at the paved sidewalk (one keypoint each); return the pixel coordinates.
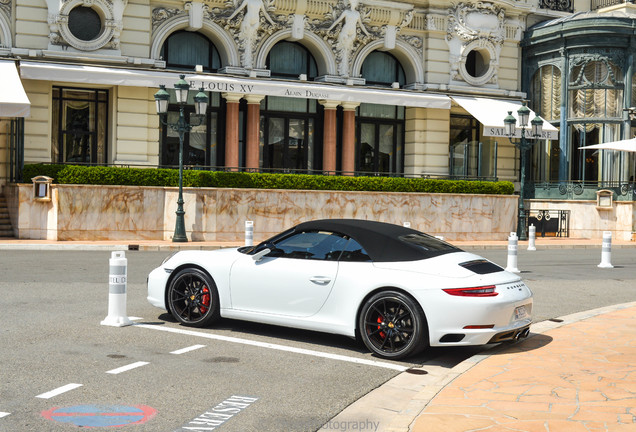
(580, 376)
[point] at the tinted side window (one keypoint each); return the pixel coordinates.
(427, 242)
(315, 245)
(353, 251)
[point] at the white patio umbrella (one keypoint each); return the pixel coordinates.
(628, 145)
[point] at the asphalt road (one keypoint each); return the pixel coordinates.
(52, 304)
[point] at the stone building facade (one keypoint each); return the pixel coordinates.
(309, 85)
(399, 88)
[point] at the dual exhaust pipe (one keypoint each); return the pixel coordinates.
(522, 334)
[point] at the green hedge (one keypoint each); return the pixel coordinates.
(73, 174)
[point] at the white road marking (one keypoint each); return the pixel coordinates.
(187, 349)
(4, 414)
(277, 347)
(127, 368)
(58, 391)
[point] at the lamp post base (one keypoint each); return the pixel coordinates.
(179, 239)
(179, 228)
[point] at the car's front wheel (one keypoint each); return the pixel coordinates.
(392, 325)
(193, 298)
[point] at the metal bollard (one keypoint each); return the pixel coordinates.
(532, 235)
(513, 242)
(606, 251)
(118, 272)
(249, 233)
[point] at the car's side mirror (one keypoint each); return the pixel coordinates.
(260, 254)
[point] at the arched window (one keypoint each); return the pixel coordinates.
(380, 128)
(185, 50)
(289, 60)
(382, 69)
(290, 139)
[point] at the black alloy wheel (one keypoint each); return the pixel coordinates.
(392, 325)
(193, 298)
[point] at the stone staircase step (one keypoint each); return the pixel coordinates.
(6, 229)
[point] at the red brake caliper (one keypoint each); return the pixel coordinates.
(205, 300)
(380, 319)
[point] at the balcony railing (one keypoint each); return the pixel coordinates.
(576, 190)
(599, 4)
(557, 5)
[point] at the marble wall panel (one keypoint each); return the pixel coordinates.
(109, 212)
(80, 212)
(586, 221)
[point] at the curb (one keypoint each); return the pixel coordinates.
(395, 405)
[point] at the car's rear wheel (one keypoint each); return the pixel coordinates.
(392, 325)
(193, 298)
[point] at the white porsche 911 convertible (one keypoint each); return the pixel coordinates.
(397, 289)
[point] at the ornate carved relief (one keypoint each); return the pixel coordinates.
(5, 6)
(161, 14)
(475, 35)
(110, 14)
(249, 23)
(345, 28)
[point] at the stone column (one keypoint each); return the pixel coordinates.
(329, 137)
(349, 138)
(253, 135)
(232, 130)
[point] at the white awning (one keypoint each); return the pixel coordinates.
(628, 145)
(13, 99)
(492, 112)
(86, 74)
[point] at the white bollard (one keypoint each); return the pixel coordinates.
(118, 273)
(249, 233)
(532, 235)
(606, 251)
(513, 242)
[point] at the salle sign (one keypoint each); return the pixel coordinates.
(493, 131)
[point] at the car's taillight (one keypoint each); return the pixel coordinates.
(482, 291)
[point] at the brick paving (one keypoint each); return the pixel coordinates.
(578, 377)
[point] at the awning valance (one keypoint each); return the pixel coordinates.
(13, 99)
(491, 113)
(87, 74)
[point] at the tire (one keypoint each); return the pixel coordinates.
(193, 298)
(392, 325)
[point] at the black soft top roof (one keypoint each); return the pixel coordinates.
(384, 242)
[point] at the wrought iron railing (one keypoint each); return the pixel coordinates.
(599, 4)
(575, 190)
(550, 223)
(557, 5)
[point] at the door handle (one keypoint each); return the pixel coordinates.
(320, 280)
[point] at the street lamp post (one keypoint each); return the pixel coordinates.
(162, 97)
(524, 145)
